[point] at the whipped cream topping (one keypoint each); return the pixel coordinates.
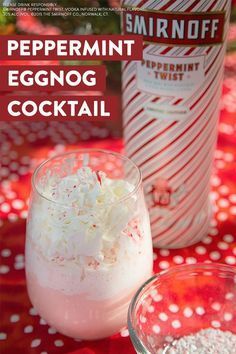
(88, 188)
(82, 217)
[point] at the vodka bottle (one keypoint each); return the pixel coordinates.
(171, 109)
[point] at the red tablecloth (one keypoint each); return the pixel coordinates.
(23, 147)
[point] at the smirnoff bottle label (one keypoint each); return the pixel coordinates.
(176, 28)
(170, 109)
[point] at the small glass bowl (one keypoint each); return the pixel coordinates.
(181, 301)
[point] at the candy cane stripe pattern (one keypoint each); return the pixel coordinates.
(170, 110)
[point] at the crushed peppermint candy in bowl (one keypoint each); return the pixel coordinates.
(187, 309)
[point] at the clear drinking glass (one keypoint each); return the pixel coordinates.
(181, 301)
(88, 245)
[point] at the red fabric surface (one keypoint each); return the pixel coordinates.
(25, 145)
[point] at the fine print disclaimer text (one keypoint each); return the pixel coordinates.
(52, 9)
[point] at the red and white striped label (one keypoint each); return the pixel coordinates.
(170, 111)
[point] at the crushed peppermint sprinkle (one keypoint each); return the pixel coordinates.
(206, 341)
(86, 219)
(86, 188)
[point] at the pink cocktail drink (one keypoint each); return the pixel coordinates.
(88, 243)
